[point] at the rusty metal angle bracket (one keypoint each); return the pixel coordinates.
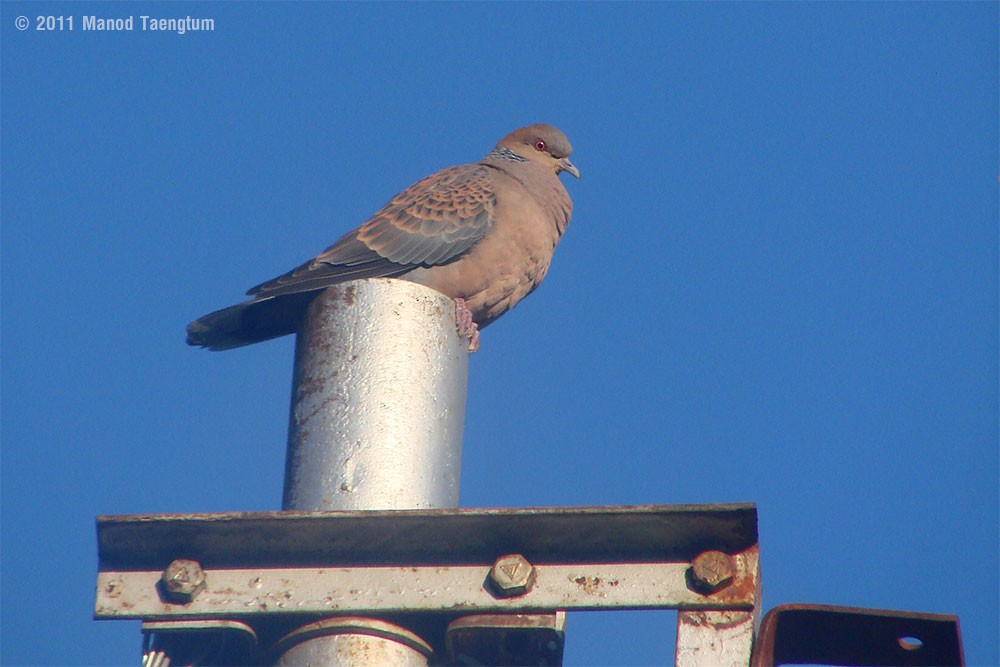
(832, 635)
(449, 561)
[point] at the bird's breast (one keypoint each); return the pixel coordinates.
(509, 262)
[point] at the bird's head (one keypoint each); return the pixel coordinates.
(542, 144)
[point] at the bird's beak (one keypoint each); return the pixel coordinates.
(565, 165)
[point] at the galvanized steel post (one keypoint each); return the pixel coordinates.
(377, 413)
(378, 400)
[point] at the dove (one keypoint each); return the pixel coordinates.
(483, 234)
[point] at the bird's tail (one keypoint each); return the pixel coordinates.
(250, 322)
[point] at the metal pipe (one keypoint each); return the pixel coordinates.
(352, 641)
(377, 413)
(378, 400)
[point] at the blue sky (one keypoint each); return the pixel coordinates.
(779, 284)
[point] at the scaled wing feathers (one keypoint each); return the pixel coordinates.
(432, 222)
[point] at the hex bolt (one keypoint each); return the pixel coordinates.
(511, 575)
(711, 571)
(182, 581)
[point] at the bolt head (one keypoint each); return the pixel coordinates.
(182, 580)
(512, 575)
(711, 571)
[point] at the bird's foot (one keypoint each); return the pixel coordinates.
(467, 328)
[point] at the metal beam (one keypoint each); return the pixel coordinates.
(427, 561)
(382, 590)
(642, 533)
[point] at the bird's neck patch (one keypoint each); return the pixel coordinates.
(506, 154)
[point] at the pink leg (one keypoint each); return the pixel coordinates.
(466, 326)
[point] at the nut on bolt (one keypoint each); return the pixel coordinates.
(512, 575)
(182, 581)
(711, 571)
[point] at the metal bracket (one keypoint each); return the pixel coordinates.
(829, 635)
(507, 639)
(462, 567)
(196, 642)
(425, 560)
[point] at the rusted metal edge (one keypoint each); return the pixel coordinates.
(707, 638)
(834, 635)
(623, 534)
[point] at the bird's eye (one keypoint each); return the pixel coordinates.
(539, 145)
